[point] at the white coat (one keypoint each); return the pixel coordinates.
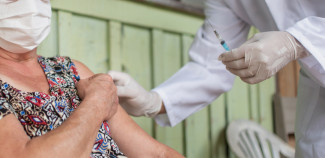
(204, 78)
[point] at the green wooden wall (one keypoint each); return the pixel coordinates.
(151, 44)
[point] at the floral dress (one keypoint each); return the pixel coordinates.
(40, 113)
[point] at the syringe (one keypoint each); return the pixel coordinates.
(222, 41)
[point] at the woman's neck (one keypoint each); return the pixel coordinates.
(6, 56)
(23, 71)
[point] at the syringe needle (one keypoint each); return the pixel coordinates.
(214, 30)
(222, 42)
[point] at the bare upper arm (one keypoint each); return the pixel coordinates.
(83, 70)
(13, 138)
(121, 122)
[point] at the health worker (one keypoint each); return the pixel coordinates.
(290, 30)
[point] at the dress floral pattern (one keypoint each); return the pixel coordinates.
(40, 113)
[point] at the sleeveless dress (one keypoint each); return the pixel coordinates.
(40, 113)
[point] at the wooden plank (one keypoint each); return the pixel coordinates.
(266, 92)
(253, 90)
(132, 13)
(237, 103)
(49, 46)
(64, 28)
(186, 44)
(254, 103)
(218, 127)
(136, 47)
(198, 135)
(297, 73)
(286, 83)
(166, 61)
(115, 45)
(197, 128)
(84, 39)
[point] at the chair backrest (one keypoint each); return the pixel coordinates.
(247, 139)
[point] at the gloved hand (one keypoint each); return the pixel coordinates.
(262, 56)
(134, 98)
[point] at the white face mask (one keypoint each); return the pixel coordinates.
(24, 24)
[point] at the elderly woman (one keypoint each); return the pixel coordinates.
(56, 107)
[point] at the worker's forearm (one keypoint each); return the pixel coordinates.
(74, 138)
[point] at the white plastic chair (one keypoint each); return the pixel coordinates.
(247, 139)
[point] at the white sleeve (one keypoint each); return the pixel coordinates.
(204, 78)
(310, 33)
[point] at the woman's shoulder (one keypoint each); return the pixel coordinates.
(57, 60)
(83, 70)
(59, 65)
(69, 64)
